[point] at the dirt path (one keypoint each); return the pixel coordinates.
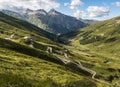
(67, 61)
(78, 64)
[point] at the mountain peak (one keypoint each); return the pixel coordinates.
(53, 12)
(40, 11)
(27, 11)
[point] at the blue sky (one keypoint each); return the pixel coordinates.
(113, 8)
(87, 9)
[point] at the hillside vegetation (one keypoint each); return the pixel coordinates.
(24, 66)
(98, 47)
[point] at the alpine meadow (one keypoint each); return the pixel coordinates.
(59, 43)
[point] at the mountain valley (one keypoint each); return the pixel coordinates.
(33, 52)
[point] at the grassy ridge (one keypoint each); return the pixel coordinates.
(22, 66)
(97, 47)
(27, 70)
(20, 24)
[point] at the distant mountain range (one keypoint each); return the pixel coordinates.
(52, 21)
(89, 21)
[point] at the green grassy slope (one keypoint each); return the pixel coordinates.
(23, 66)
(14, 25)
(105, 34)
(98, 47)
(20, 69)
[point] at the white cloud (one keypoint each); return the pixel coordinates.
(73, 7)
(74, 4)
(79, 14)
(66, 4)
(31, 4)
(96, 11)
(117, 4)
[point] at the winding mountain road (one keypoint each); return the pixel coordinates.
(81, 67)
(67, 61)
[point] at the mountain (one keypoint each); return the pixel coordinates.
(52, 21)
(88, 21)
(105, 31)
(98, 45)
(62, 23)
(24, 60)
(14, 14)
